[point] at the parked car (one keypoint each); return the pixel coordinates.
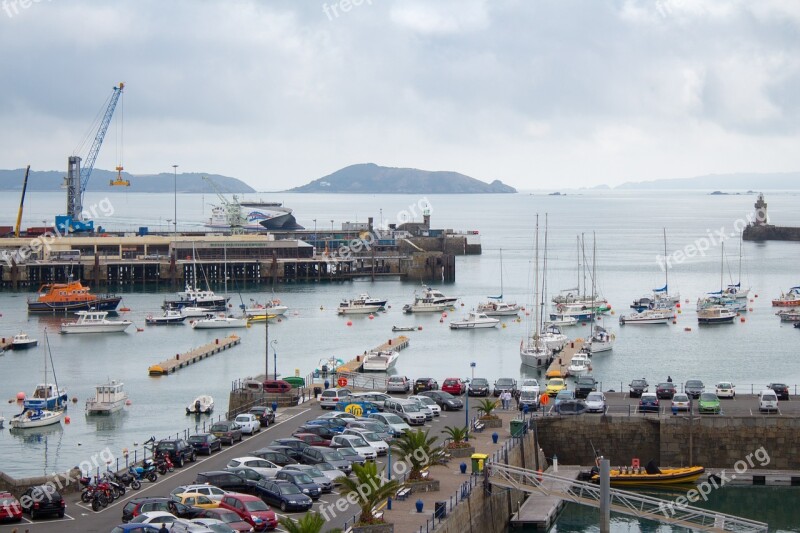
(637, 387)
(205, 443)
(333, 474)
(584, 385)
(694, 388)
(265, 414)
(397, 424)
(230, 518)
(276, 386)
(302, 481)
(530, 384)
(330, 397)
(454, 386)
(563, 395)
(273, 455)
(251, 509)
(316, 476)
(398, 384)
(767, 400)
(349, 454)
(357, 443)
(364, 407)
(338, 415)
(291, 442)
(248, 423)
(248, 474)
(554, 386)
(138, 528)
(323, 431)
(262, 466)
(725, 389)
(227, 481)
(445, 400)
(648, 402)
(10, 508)
(408, 410)
(155, 518)
(423, 407)
(312, 439)
(41, 500)
(137, 506)
(214, 493)
(666, 390)
(372, 439)
(384, 431)
(596, 402)
(292, 453)
(708, 403)
(571, 407)
(529, 398)
(315, 455)
(503, 385)
(373, 397)
(334, 425)
(199, 525)
(479, 387)
(681, 401)
(283, 494)
(781, 390)
(179, 451)
(227, 431)
(423, 384)
(195, 499)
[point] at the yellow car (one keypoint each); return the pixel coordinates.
(554, 386)
(195, 499)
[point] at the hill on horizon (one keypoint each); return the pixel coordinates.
(375, 179)
(737, 181)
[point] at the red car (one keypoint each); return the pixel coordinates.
(251, 509)
(454, 386)
(9, 507)
(312, 439)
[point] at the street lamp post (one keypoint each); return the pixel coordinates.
(266, 344)
(175, 201)
(315, 235)
(466, 409)
(274, 355)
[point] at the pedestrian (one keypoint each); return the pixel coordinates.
(506, 400)
(669, 379)
(163, 528)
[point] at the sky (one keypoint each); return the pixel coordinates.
(537, 94)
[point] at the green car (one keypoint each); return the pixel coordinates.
(709, 403)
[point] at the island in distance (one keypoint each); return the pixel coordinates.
(374, 179)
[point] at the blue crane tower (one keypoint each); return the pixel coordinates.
(78, 177)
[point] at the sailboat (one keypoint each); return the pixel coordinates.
(496, 306)
(553, 338)
(735, 290)
(574, 304)
(194, 297)
(220, 320)
(713, 309)
(601, 339)
(661, 299)
(48, 403)
(534, 353)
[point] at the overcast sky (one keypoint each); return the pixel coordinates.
(537, 94)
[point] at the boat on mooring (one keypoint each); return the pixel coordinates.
(22, 341)
(359, 306)
(35, 418)
(404, 328)
(272, 308)
(651, 475)
(194, 297)
(170, 317)
(47, 404)
(790, 298)
(579, 365)
(108, 399)
(648, 316)
(94, 322)
(202, 405)
(424, 304)
(715, 314)
(475, 320)
(70, 297)
(219, 321)
(380, 361)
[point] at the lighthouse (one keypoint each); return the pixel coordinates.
(761, 211)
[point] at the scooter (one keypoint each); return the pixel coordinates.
(164, 464)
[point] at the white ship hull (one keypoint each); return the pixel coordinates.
(110, 327)
(104, 408)
(220, 323)
(358, 310)
(275, 310)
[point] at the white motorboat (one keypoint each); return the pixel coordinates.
(579, 365)
(272, 307)
(380, 361)
(437, 297)
(194, 297)
(196, 312)
(553, 338)
(94, 322)
(202, 405)
(404, 328)
(358, 306)
(219, 321)
(649, 316)
(475, 320)
(21, 341)
(715, 314)
(424, 304)
(170, 316)
(562, 320)
(601, 341)
(108, 399)
(34, 418)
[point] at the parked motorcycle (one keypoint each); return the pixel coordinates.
(125, 479)
(146, 471)
(164, 464)
(100, 493)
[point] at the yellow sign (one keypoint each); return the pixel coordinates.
(354, 409)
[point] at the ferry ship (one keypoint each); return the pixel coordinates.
(256, 216)
(70, 297)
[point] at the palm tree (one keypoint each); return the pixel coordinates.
(369, 489)
(457, 435)
(487, 405)
(309, 523)
(418, 450)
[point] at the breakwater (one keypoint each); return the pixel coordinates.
(771, 233)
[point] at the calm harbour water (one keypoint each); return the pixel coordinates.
(628, 228)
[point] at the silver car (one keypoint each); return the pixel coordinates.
(398, 384)
(596, 402)
(429, 403)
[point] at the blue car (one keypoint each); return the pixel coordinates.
(367, 408)
(302, 480)
(284, 494)
(135, 528)
(648, 402)
(336, 425)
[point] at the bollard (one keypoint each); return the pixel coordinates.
(495, 436)
(419, 504)
(274, 407)
(463, 467)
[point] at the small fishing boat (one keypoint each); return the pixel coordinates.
(425, 305)
(791, 298)
(272, 307)
(561, 320)
(475, 320)
(2, 421)
(404, 328)
(715, 314)
(202, 405)
(329, 365)
(108, 399)
(651, 475)
(21, 341)
(70, 297)
(358, 306)
(379, 361)
(194, 297)
(437, 297)
(94, 322)
(797, 325)
(219, 322)
(170, 316)
(789, 315)
(579, 365)
(34, 418)
(648, 316)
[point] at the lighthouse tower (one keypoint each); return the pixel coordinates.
(761, 211)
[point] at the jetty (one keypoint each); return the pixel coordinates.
(541, 510)
(559, 367)
(182, 360)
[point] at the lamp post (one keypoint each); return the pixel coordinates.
(466, 409)
(266, 344)
(175, 201)
(315, 236)
(274, 354)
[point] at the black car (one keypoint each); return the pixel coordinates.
(323, 431)
(42, 500)
(246, 473)
(445, 400)
(293, 443)
(205, 443)
(179, 451)
(504, 384)
(584, 386)
(479, 387)
(694, 388)
(283, 494)
(227, 481)
(275, 454)
(302, 480)
(425, 384)
(637, 387)
(781, 390)
(137, 506)
(570, 407)
(665, 390)
(314, 455)
(264, 414)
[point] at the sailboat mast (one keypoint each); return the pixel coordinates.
(666, 266)
(594, 275)
(721, 267)
(578, 244)
(544, 273)
(501, 274)
(536, 282)
(740, 262)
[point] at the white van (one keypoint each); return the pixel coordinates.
(330, 397)
(767, 400)
(407, 410)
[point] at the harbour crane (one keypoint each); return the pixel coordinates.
(78, 177)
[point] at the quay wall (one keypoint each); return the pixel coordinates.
(717, 442)
(771, 233)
